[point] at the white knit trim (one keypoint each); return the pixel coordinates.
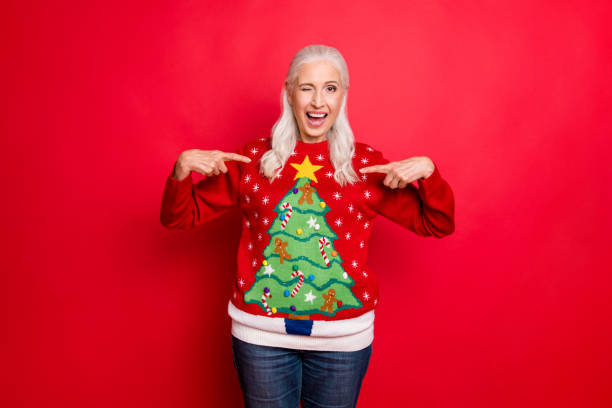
(327, 335)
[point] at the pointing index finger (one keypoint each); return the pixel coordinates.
(379, 168)
(236, 156)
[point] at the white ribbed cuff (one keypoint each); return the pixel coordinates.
(326, 335)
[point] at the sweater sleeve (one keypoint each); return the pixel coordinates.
(186, 205)
(428, 210)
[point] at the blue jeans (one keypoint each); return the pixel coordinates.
(276, 377)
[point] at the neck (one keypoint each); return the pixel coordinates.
(310, 139)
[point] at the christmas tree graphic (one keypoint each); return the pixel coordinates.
(302, 273)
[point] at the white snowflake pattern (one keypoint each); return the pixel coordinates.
(263, 139)
(338, 221)
(354, 264)
(366, 296)
(265, 200)
(364, 177)
(256, 215)
(329, 174)
(250, 246)
(337, 195)
(367, 194)
(320, 157)
(265, 221)
(375, 302)
(255, 187)
(369, 149)
(247, 223)
(359, 216)
(247, 198)
(347, 235)
(362, 244)
(351, 208)
(366, 225)
(364, 160)
(259, 236)
(254, 150)
(241, 282)
(254, 263)
(365, 274)
(279, 175)
(247, 178)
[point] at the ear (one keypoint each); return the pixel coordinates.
(288, 95)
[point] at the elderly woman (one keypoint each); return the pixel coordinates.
(302, 307)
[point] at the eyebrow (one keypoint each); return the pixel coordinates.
(308, 83)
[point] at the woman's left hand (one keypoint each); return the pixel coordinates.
(400, 173)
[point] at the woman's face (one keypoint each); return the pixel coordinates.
(317, 92)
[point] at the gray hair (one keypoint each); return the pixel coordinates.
(285, 132)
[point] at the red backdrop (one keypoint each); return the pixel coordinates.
(107, 308)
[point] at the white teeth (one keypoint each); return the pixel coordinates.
(317, 115)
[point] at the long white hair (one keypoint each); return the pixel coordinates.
(285, 132)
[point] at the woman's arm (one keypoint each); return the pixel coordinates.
(428, 210)
(186, 205)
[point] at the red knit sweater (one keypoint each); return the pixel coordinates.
(302, 257)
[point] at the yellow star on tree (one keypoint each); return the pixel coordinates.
(306, 169)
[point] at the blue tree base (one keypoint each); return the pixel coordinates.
(303, 327)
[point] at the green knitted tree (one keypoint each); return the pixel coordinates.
(314, 281)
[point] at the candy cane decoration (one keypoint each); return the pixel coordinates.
(299, 284)
(287, 215)
(324, 241)
(263, 300)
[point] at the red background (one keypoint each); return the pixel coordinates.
(107, 308)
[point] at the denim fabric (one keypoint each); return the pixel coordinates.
(276, 377)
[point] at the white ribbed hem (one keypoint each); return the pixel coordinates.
(327, 335)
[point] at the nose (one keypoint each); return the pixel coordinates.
(317, 99)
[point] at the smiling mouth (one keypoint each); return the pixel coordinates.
(316, 120)
(316, 115)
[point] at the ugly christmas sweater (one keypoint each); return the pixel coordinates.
(302, 278)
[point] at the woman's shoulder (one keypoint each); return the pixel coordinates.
(255, 147)
(367, 153)
(361, 146)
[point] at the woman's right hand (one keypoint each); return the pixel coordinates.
(206, 162)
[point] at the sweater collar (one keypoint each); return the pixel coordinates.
(318, 147)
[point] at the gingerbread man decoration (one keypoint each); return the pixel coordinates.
(307, 190)
(330, 298)
(280, 249)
